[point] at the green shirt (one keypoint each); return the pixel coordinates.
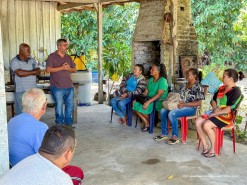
(153, 88)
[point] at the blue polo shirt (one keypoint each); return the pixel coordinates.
(25, 135)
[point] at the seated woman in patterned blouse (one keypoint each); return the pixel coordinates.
(191, 94)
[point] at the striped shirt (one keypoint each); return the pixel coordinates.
(24, 83)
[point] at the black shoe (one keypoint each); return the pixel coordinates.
(161, 138)
(145, 129)
(173, 141)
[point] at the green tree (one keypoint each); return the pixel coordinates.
(118, 28)
(81, 31)
(214, 22)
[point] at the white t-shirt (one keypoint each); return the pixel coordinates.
(35, 170)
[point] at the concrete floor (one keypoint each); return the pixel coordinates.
(114, 154)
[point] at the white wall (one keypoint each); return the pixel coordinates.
(35, 23)
(4, 151)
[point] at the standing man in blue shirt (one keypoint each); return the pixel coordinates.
(25, 131)
(25, 71)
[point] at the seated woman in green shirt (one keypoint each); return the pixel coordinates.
(157, 89)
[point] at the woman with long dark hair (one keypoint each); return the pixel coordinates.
(157, 90)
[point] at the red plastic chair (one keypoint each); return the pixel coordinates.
(185, 125)
(219, 135)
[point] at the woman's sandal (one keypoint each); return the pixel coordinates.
(144, 129)
(209, 155)
(205, 151)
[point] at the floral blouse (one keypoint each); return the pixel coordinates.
(194, 93)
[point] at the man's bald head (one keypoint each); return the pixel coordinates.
(24, 51)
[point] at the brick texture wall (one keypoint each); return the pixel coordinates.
(148, 33)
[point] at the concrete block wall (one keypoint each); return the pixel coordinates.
(186, 35)
(150, 20)
(147, 53)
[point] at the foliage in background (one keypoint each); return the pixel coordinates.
(119, 25)
(241, 134)
(241, 25)
(81, 31)
(219, 26)
(218, 70)
(118, 28)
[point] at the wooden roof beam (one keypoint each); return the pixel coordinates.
(84, 1)
(61, 7)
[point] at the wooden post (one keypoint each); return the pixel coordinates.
(4, 149)
(174, 35)
(100, 55)
(76, 85)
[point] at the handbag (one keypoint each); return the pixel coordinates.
(141, 98)
(171, 101)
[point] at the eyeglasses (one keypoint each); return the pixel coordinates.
(64, 44)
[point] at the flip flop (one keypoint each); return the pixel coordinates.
(209, 155)
(205, 151)
(145, 129)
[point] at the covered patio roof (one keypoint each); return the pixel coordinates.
(80, 5)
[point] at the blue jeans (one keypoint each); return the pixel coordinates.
(119, 105)
(173, 116)
(65, 95)
(18, 102)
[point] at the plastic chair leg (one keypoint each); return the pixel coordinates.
(187, 127)
(129, 113)
(151, 121)
(221, 138)
(136, 120)
(199, 141)
(183, 128)
(217, 141)
(233, 140)
(111, 115)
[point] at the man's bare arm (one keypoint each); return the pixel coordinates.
(25, 73)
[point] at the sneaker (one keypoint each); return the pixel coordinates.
(173, 141)
(161, 138)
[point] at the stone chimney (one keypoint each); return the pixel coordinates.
(178, 43)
